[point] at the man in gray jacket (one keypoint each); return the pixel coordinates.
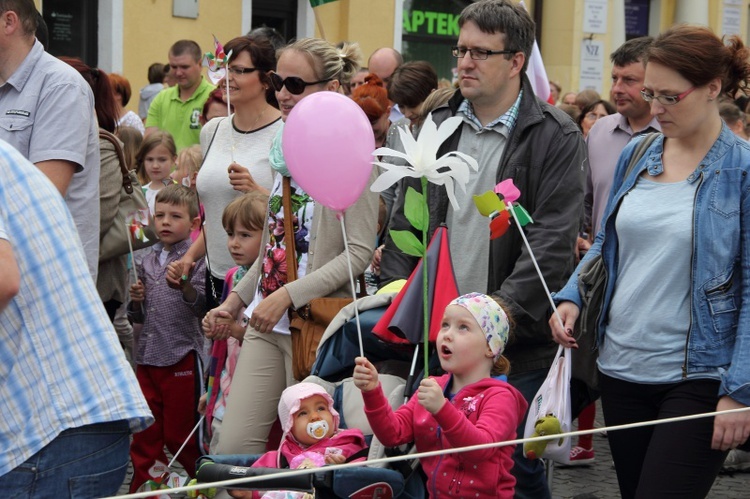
(511, 134)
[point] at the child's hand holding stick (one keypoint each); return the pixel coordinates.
(365, 375)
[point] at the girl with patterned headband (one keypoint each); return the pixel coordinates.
(470, 405)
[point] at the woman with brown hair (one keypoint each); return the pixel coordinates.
(674, 327)
(410, 85)
(235, 149)
(592, 112)
(122, 93)
(111, 281)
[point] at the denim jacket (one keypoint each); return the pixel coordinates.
(719, 336)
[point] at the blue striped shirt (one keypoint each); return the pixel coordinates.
(61, 365)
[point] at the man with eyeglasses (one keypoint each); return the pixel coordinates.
(610, 134)
(47, 114)
(511, 134)
(177, 109)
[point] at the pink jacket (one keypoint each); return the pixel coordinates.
(486, 411)
(349, 441)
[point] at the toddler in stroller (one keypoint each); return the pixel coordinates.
(312, 437)
(335, 363)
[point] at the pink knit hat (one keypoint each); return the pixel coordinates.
(294, 395)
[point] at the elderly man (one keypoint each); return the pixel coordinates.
(383, 62)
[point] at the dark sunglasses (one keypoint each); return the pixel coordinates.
(293, 84)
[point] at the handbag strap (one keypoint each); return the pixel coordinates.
(126, 183)
(210, 142)
(639, 151)
(291, 257)
(203, 219)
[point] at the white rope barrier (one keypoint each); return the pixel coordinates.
(419, 455)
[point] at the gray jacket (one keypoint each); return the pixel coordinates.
(545, 157)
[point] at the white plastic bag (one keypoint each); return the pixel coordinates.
(553, 398)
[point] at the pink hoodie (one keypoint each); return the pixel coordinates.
(484, 412)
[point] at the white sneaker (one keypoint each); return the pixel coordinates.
(737, 460)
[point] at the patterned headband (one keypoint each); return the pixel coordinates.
(491, 318)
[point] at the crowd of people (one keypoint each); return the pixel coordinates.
(198, 324)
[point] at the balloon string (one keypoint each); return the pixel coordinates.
(420, 455)
(351, 281)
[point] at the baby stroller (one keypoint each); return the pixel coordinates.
(332, 370)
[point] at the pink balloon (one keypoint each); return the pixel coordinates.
(328, 144)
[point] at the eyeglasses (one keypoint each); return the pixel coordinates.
(237, 71)
(665, 100)
(293, 84)
(593, 116)
(478, 54)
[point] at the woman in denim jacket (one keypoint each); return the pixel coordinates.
(674, 332)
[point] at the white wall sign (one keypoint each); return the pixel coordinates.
(592, 65)
(732, 18)
(185, 8)
(595, 16)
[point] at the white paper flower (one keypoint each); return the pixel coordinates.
(421, 154)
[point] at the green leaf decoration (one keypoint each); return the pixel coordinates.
(407, 242)
(414, 209)
(522, 215)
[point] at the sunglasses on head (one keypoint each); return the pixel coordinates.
(293, 84)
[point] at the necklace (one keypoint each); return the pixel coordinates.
(252, 129)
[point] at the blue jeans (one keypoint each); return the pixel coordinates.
(85, 462)
(531, 480)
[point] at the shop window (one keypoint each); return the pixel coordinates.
(278, 14)
(430, 29)
(636, 18)
(72, 28)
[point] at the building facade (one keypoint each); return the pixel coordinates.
(575, 36)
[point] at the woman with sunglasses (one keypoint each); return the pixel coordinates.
(674, 329)
(264, 365)
(235, 149)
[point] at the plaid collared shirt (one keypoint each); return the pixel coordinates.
(171, 326)
(508, 119)
(61, 365)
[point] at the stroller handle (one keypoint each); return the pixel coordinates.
(213, 472)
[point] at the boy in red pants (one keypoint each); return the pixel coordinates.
(169, 346)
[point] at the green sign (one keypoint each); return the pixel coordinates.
(318, 3)
(425, 22)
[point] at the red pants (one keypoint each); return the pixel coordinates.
(586, 422)
(172, 394)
